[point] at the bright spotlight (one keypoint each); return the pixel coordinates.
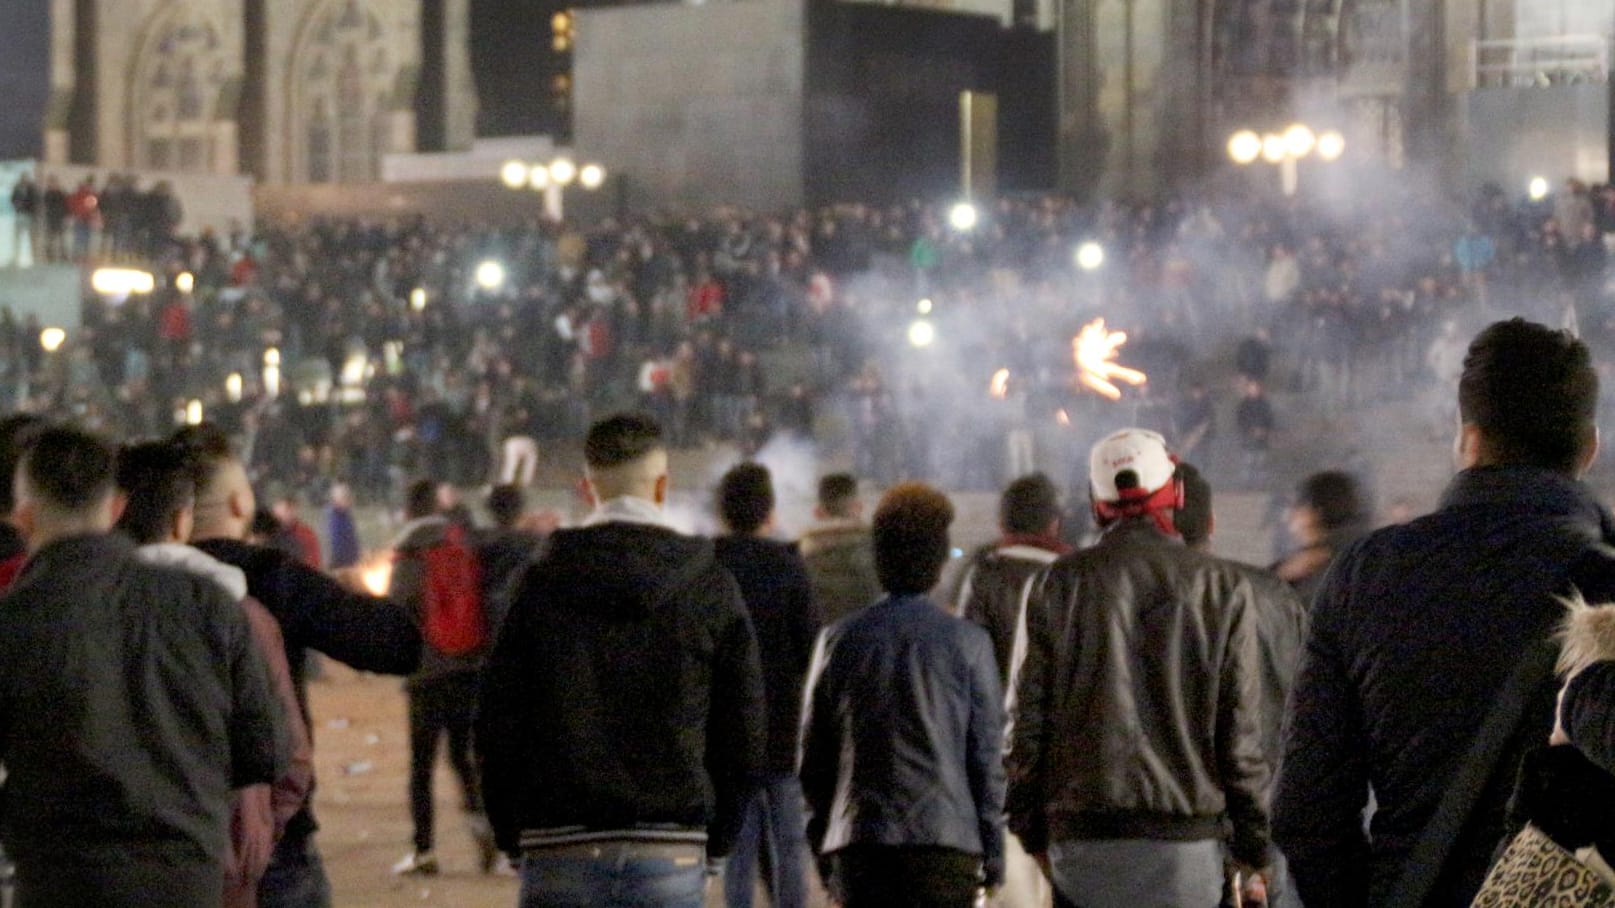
(1273, 148)
(538, 177)
(185, 282)
(1538, 188)
(1331, 145)
(193, 413)
(1244, 147)
(232, 387)
(490, 275)
(1090, 256)
(563, 171)
(963, 217)
(51, 339)
(417, 299)
(272, 356)
(514, 174)
(924, 306)
(592, 176)
(122, 281)
(921, 333)
(1299, 140)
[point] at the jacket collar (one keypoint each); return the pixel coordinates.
(1528, 488)
(77, 551)
(1140, 529)
(628, 509)
(196, 561)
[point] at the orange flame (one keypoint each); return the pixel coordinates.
(377, 576)
(1095, 350)
(999, 387)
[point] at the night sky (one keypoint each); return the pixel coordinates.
(509, 40)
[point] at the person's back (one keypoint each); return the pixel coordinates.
(902, 739)
(314, 611)
(1419, 626)
(133, 703)
(1138, 736)
(840, 559)
(622, 708)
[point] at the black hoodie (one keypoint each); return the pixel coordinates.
(624, 693)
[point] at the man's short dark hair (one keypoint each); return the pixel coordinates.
(1029, 505)
(746, 497)
(156, 478)
(837, 492)
(1193, 520)
(207, 447)
(420, 499)
(17, 433)
(621, 439)
(910, 530)
(506, 503)
(1335, 497)
(69, 469)
(1533, 394)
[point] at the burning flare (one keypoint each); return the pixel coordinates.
(1000, 384)
(1095, 350)
(377, 575)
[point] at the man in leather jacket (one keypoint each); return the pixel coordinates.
(1137, 737)
(903, 731)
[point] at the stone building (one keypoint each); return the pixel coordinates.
(1149, 89)
(288, 91)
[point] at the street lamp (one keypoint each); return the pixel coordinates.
(551, 178)
(185, 282)
(964, 217)
(490, 275)
(1090, 256)
(514, 174)
(51, 339)
(1537, 189)
(1286, 149)
(921, 333)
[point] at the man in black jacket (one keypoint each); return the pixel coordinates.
(621, 725)
(779, 597)
(1417, 627)
(1137, 734)
(994, 593)
(133, 702)
(902, 740)
(314, 611)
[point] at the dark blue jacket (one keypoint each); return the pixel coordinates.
(1414, 632)
(902, 741)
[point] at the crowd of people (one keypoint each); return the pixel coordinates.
(405, 343)
(635, 713)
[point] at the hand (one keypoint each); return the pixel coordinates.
(1252, 884)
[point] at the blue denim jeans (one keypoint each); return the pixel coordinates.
(776, 826)
(295, 878)
(614, 874)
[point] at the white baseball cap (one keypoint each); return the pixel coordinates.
(1138, 451)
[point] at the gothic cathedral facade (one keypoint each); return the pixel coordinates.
(288, 91)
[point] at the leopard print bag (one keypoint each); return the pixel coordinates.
(1534, 872)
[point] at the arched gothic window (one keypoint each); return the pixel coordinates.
(342, 75)
(177, 81)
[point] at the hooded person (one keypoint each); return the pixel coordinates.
(622, 728)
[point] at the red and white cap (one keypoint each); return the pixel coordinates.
(1138, 451)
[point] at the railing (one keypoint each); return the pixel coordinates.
(1526, 62)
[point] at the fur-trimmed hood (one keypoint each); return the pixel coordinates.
(1588, 635)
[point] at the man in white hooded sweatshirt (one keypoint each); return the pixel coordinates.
(160, 491)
